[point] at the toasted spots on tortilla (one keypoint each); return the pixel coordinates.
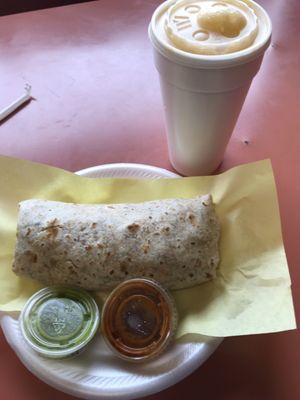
(32, 257)
(166, 230)
(52, 228)
(192, 219)
(146, 248)
(133, 227)
(123, 268)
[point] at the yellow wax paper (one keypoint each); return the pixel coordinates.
(251, 293)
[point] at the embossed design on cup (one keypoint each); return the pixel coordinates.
(228, 27)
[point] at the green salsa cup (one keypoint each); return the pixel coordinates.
(58, 321)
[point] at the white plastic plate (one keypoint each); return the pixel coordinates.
(96, 373)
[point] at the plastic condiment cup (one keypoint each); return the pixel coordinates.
(139, 319)
(59, 322)
(203, 94)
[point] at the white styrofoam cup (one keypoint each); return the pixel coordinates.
(203, 94)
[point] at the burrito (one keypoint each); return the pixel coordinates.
(96, 247)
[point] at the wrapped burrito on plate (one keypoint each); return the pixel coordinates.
(96, 247)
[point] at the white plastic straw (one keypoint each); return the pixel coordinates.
(17, 103)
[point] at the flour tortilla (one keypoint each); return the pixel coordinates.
(96, 247)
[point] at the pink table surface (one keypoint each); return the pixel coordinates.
(98, 101)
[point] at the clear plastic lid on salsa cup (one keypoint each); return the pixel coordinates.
(58, 321)
(139, 320)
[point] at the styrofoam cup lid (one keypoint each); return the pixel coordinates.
(210, 33)
(211, 27)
